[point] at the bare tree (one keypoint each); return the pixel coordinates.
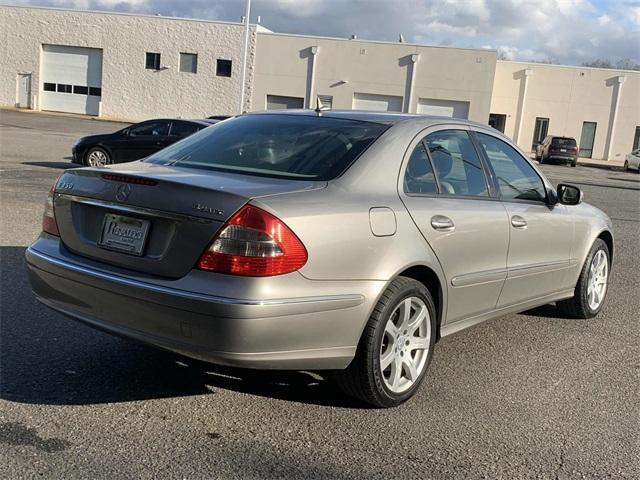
(624, 64)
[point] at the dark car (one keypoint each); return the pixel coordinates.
(134, 142)
(558, 149)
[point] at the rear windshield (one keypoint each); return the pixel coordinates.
(287, 146)
(563, 142)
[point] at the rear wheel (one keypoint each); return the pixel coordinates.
(396, 346)
(97, 157)
(591, 289)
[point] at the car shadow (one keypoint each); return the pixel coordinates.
(546, 311)
(58, 165)
(46, 358)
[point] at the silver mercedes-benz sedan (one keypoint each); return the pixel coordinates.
(340, 241)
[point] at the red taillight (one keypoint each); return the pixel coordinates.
(49, 224)
(254, 243)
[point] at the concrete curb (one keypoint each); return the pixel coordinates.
(604, 166)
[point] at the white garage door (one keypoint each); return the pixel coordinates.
(71, 79)
(443, 108)
(378, 103)
(279, 102)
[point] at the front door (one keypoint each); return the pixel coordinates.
(587, 138)
(539, 132)
(540, 236)
(23, 99)
(446, 193)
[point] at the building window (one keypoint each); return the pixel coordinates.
(152, 61)
(326, 101)
(80, 90)
(636, 139)
(223, 68)
(49, 87)
(95, 91)
(63, 88)
(189, 62)
(539, 132)
(587, 137)
(497, 121)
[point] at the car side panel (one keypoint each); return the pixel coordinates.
(539, 259)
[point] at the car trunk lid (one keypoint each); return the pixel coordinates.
(151, 218)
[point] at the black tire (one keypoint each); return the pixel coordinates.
(363, 378)
(626, 166)
(578, 305)
(98, 152)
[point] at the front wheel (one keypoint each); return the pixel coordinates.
(396, 346)
(97, 157)
(591, 289)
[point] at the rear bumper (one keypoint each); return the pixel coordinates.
(316, 331)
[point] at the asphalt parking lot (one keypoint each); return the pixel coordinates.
(532, 395)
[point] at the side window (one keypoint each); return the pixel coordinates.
(150, 128)
(183, 129)
(517, 179)
(419, 178)
(456, 163)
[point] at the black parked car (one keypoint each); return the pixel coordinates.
(558, 149)
(134, 142)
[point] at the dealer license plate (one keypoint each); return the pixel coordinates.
(124, 234)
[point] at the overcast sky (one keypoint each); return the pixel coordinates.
(565, 31)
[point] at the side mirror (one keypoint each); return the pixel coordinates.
(569, 195)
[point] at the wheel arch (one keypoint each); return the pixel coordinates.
(429, 278)
(607, 237)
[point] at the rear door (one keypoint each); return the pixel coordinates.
(144, 139)
(444, 187)
(540, 235)
(181, 129)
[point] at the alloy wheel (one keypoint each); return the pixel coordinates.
(405, 344)
(97, 158)
(597, 283)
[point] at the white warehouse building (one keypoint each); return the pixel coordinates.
(135, 67)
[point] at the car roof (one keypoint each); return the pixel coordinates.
(386, 118)
(188, 120)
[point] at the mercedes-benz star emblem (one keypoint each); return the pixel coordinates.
(122, 192)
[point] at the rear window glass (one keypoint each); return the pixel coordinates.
(563, 142)
(287, 146)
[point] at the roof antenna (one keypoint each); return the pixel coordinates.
(321, 107)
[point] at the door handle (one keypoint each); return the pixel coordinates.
(518, 222)
(442, 223)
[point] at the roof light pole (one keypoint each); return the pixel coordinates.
(244, 56)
